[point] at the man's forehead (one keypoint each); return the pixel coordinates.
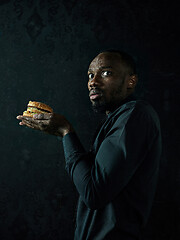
(105, 59)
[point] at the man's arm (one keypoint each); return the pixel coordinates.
(99, 179)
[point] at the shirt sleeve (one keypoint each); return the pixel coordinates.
(99, 179)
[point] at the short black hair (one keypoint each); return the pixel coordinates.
(127, 59)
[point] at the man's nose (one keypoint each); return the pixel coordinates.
(95, 81)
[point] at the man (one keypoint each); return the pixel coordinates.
(117, 179)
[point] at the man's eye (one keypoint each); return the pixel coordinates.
(91, 75)
(106, 73)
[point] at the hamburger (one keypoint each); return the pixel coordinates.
(36, 108)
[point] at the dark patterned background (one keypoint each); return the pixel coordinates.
(45, 49)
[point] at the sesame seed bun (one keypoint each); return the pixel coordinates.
(36, 108)
(40, 105)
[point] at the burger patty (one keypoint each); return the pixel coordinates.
(36, 110)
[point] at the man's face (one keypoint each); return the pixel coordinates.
(108, 81)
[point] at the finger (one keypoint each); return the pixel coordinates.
(19, 117)
(43, 116)
(29, 120)
(29, 124)
(36, 124)
(39, 116)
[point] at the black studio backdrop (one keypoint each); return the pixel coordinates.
(45, 49)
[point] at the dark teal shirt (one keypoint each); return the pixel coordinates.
(117, 179)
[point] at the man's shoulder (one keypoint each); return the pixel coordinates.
(144, 113)
(145, 108)
(133, 106)
(144, 105)
(137, 110)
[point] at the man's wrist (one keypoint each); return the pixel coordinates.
(65, 132)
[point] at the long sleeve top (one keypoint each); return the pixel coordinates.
(116, 180)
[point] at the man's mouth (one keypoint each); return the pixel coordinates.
(95, 93)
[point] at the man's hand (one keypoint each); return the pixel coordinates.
(51, 123)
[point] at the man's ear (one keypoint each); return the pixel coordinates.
(132, 81)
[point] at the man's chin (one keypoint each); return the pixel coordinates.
(99, 107)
